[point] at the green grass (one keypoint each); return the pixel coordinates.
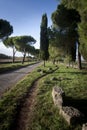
(46, 114)
(11, 100)
(13, 66)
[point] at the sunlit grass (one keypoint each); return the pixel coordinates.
(11, 100)
(45, 114)
(13, 66)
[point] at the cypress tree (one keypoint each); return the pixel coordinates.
(44, 41)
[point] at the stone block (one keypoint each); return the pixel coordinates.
(57, 94)
(71, 115)
(84, 127)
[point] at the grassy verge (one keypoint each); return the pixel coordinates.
(13, 66)
(46, 115)
(11, 100)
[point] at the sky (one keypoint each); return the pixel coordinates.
(25, 17)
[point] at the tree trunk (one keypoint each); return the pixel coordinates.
(79, 58)
(23, 58)
(69, 63)
(13, 60)
(28, 57)
(72, 64)
(44, 63)
(54, 62)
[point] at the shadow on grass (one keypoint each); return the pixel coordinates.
(77, 73)
(80, 104)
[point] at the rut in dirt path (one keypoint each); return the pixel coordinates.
(24, 117)
(26, 109)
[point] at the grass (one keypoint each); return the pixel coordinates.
(46, 114)
(13, 66)
(12, 99)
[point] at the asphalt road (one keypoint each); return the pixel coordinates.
(11, 78)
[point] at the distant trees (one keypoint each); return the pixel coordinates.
(23, 44)
(5, 29)
(36, 54)
(31, 51)
(44, 41)
(9, 42)
(55, 51)
(3, 56)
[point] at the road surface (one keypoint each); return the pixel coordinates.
(11, 78)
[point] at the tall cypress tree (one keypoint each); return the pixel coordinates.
(44, 41)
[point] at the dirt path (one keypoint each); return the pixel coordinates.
(25, 110)
(25, 114)
(11, 78)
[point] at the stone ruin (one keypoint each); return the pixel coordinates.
(69, 113)
(84, 127)
(58, 95)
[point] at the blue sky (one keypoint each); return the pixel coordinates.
(25, 17)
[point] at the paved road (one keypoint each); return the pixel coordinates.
(11, 78)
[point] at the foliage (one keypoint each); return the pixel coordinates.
(83, 39)
(5, 29)
(37, 51)
(80, 6)
(23, 44)
(55, 50)
(65, 18)
(66, 21)
(9, 42)
(44, 41)
(55, 53)
(3, 56)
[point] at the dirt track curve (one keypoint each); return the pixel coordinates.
(25, 115)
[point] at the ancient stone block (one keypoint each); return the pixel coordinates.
(71, 114)
(57, 95)
(84, 127)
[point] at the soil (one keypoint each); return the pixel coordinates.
(24, 117)
(25, 110)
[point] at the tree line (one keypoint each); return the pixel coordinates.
(22, 44)
(68, 33)
(60, 41)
